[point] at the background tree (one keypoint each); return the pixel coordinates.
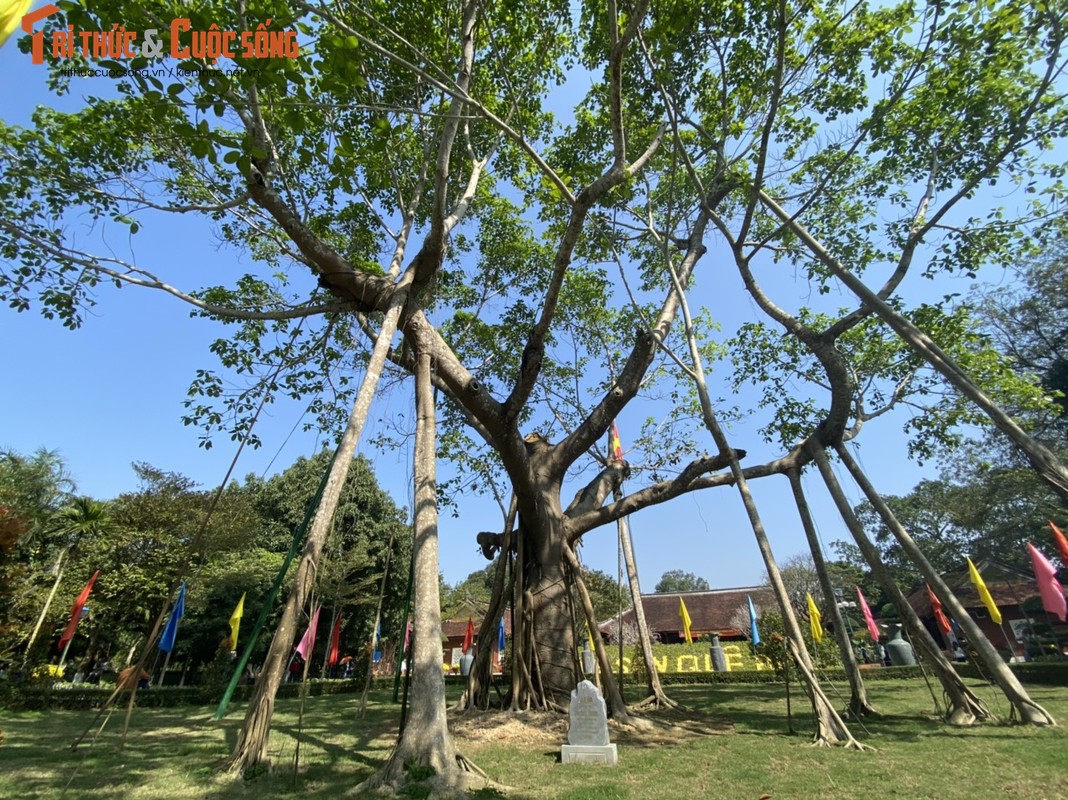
(33, 490)
(677, 580)
(1029, 322)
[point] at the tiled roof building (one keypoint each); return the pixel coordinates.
(717, 610)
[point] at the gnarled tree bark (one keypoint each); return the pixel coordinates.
(253, 738)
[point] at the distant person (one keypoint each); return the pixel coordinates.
(296, 669)
(126, 679)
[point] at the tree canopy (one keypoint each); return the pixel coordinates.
(400, 172)
(678, 580)
(143, 540)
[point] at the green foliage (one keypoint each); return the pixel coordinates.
(604, 592)
(144, 541)
(472, 593)
(772, 645)
(677, 580)
(884, 374)
(35, 526)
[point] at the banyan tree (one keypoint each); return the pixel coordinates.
(518, 204)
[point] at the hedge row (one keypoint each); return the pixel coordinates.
(82, 697)
(1044, 673)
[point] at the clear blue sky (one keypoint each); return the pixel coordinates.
(110, 394)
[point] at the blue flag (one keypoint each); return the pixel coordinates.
(754, 632)
(500, 636)
(166, 641)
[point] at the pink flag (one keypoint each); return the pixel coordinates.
(307, 641)
(869, 620)
(1048, 585)
(407, 636)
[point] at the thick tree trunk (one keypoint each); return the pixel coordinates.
(1028, 710)
(425, 741)
(252, 740)
(656, 691)
(553, 664)
(858, 697)
(964, 707)
(616, 706)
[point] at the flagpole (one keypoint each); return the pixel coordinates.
(63, 658)
(298, 537)
(166, 663)
(59, 568)
(378, 621)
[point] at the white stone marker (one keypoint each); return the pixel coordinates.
(587, 735)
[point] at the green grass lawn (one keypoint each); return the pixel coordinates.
(732, 743)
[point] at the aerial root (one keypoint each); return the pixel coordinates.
(467, 765)
(657, 701)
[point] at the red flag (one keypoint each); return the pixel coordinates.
(869, 620)
(617, 448)
(335, 642)
(1048, 586)
(1062, 543)
(469, 636)
(76, 611)
(936, 609)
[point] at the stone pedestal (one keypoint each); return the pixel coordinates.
(587, 734)
(589, 754)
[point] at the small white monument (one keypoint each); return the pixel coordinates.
(587, 735)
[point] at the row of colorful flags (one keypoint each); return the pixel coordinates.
(469, 636)
(170, 632)
(1050, 590)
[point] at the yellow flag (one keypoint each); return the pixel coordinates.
(11, 13)
(685, 616)
(814, 619)
(984, 593)
(235, 621)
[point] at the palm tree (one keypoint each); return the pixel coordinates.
(82, 517)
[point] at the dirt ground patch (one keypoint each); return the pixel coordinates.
(549, 729)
